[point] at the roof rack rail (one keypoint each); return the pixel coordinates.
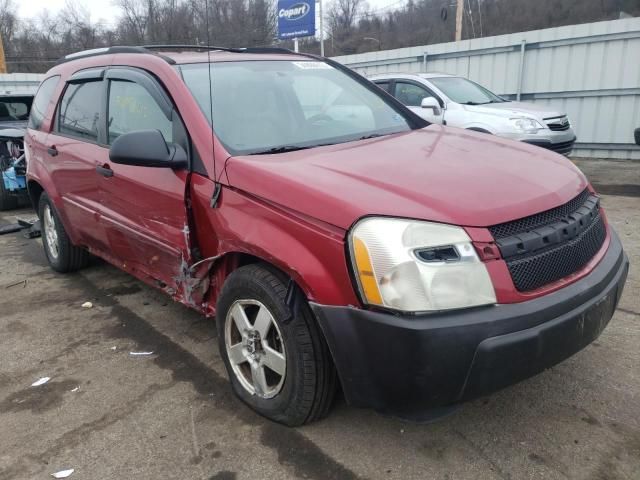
(110, 50)
(223, 49)
(149, 50)
(178, 47)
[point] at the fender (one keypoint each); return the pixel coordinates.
(246, 225)
(37, 174)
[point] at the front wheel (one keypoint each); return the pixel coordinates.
(277, 360)
(63, 256)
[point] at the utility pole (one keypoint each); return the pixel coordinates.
(321, 30)
(3, 64)
(459, 12)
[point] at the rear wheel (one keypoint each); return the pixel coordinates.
(7, 200)
(277, 360)
(62, 255)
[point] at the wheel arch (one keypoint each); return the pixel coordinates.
(35, 190)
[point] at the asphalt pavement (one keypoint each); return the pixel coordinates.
(171, 414)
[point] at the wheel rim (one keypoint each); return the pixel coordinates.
(255, 348)
(50, 232)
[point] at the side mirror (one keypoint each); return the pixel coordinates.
(637, 135)
(147, 148)
(432, 103)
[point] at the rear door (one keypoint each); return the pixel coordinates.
(75, 147)
(143, 208)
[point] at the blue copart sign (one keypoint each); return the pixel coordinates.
(296, 18)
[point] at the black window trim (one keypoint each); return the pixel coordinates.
(135, 75)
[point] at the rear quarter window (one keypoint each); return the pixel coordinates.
(41, 102)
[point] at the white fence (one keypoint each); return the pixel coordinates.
(19, 82)
(590, 71)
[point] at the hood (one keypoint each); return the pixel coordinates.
(514, 109)
(442, 174)
(11, 133)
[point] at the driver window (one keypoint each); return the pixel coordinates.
(411, 94)
(131, 107)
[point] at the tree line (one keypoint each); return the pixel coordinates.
(351, 26)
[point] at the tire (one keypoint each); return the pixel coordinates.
(62, 255)
(305, 392)
(7, 200)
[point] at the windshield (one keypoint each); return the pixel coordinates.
(464, 91)
(14, 108)
(277, 106)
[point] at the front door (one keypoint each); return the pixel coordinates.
(411, 94)
(143, 208)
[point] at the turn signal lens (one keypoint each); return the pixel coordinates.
(365, 273)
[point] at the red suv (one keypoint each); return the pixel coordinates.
(335, 235)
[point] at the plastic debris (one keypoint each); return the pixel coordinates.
(75, 389)
(15, 284)
(114, 348)
(138, 354)
(87, 305)
(40, 381)
(62, 473)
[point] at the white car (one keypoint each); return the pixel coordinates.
(456, 101)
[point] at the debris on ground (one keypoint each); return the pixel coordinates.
(32, 225)
(40, 381)
(137, 354)
(14, 227)
(62, 473)
(114, 348)
(75, 389)
(15, 284)
(87, 305)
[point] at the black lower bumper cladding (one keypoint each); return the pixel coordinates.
(406, 366)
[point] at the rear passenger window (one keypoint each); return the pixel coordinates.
(41, 101)
(131, 107)
(80, 111)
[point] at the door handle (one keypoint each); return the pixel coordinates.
(105, 171)
(52, 150)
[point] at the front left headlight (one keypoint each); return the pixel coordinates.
(417, 266)
(526, 124)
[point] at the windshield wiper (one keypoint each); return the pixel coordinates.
(282, 149)
(475, 103)
(373, 135)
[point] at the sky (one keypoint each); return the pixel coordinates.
(104, 9)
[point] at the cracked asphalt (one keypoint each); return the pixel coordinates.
(110, 415)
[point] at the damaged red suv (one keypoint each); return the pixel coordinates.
(336, 237)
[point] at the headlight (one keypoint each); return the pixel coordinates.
(527, 125)
(417, 266)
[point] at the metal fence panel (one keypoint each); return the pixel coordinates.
(591, 71)
(19, 82)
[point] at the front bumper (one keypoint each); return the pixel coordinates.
(407, 365)
(558, 141)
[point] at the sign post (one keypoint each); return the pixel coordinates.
(296, 18)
